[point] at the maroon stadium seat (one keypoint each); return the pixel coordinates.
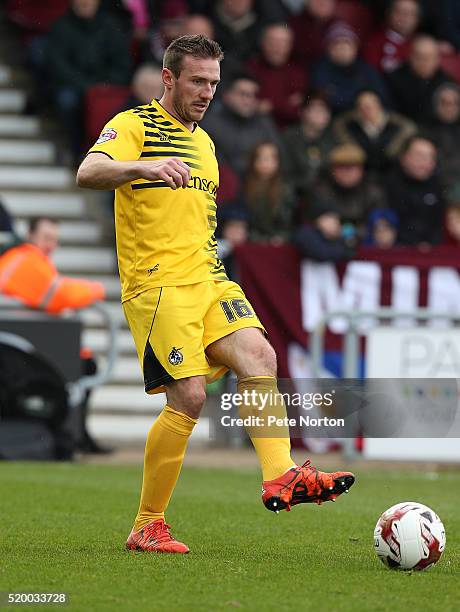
(36, 16)
(357, 16)
(102, 102)
(451, 65)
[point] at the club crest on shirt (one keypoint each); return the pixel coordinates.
(164, 137)
(109, 134)
(175, 357)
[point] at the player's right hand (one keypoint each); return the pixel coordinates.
(172, 171)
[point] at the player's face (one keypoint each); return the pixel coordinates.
(193, 91)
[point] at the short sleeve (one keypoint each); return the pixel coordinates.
(122, 138)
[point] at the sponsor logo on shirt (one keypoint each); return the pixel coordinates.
(203, 184)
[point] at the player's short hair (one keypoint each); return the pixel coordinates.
(35, 222)
(195, 45)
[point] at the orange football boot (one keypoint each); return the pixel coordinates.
(304, 485)
(155, 537)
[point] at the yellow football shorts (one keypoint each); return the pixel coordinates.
(173, 326)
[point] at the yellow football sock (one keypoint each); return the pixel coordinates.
(164, 453)
(274, 453)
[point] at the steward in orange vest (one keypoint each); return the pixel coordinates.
(27, 274)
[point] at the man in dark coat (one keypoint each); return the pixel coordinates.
(237, 126)
(414, 192)
(413, 84)
(85, 47)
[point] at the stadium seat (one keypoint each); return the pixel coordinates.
(101, 103)
(357, 16)
(451, 65)
(35, 16)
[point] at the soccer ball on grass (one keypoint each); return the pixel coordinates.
(409, 536)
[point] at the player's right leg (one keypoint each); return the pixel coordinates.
(164, 453)
(166, 325)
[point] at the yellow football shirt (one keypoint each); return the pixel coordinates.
(165, 237)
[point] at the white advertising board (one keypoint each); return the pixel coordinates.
(421, 354)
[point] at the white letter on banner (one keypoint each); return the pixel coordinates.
(443, 293)
(321, 292)
(405, 293)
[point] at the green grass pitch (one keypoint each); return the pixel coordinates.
(63, 528)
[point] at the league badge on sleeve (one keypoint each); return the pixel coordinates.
(109, 134)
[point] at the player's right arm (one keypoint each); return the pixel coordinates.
(115, 159)
(97, 171)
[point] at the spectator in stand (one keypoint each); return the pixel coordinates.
(139, 17)
(381, 134)
(168, 26)
(340, 73)
(236, 126)
(390, 46)
(347, 187)
(28, 273)
(414, 82)
(382, 228)
(237, 30)
(282, 83)
(414, 192)
(445, 131)
(323, 239)
(308, 144)
(233, 231)
(198, 24)
(85, 47)
(146, 85)
(310, 28)
(267, 196)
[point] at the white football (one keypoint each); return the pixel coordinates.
(409, 536)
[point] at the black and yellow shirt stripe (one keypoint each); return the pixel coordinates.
(165, 237)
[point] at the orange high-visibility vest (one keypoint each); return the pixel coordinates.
(27, 274)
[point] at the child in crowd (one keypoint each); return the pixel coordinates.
(382, 228)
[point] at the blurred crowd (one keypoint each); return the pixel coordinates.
(336, 124)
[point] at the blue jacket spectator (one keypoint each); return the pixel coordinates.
(382, 228)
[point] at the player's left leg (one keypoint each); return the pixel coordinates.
(248, 353)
